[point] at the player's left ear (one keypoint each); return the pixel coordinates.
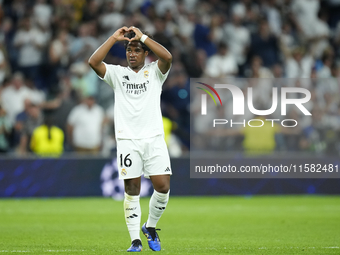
(146, 52)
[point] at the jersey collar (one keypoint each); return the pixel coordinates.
(128, 67)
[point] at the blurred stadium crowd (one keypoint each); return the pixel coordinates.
(48, 90)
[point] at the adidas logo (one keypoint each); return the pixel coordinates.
(132, 216)
(167, 169)
(160, 208)
(126, 77)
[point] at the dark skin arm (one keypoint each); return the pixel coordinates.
(164, 56)
(96, 60)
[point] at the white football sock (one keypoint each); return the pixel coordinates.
(132, 215)
(157, 206)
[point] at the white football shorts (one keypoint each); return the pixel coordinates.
(148, 156)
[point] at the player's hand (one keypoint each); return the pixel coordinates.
(137, 32)
(119, 34)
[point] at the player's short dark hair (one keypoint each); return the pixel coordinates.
(132, 35)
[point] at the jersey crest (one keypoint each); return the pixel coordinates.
(146, 74)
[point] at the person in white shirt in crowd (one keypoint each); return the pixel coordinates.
(111, 19)
(327, 60)
(30, 42)
(42, 12)
(273, 15)
(306, 14)
(221, 64)
(58, 55)
(13, 96)
(85, 126)
(298, 63)
(237, 37)
(287, 39)
(313, 24)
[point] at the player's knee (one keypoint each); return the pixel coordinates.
(164, 188)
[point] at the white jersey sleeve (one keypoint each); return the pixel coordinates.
(162, 77)
(110, 75)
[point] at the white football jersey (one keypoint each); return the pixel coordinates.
(137, 111)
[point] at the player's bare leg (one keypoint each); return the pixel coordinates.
(132, 186)
(133, 212)
(157, 205)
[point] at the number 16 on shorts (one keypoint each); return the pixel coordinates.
(126, 162)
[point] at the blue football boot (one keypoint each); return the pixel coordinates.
(152, 237)
(136, 246)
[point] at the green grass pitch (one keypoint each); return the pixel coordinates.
(190, 225)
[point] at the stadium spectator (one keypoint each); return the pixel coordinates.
(237, 37)
(299, 63)
(203, 38)
(287, 39)
(83, 81)
(92, 10)
(216, 28)
(110, 20)
(195, 62)
(60, 101)
(250, 12)
(6, 37)
(160, 35)
(47, 140)
(221, 64)
(319, 40)
(109, 141)
(5, 129)
(187, 27)
(273, 16)
(3, 65)
(33, 120)
(260, 140)
(257, 70)
(20, 121)
(13, 96)
(85, 126)
(265, 45)
(326, 64)
(30, 42)
(42, 13)
(84, 44)
(306, 14)
(58, 57)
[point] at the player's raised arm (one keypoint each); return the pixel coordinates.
(96, 60)
(165, 57)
